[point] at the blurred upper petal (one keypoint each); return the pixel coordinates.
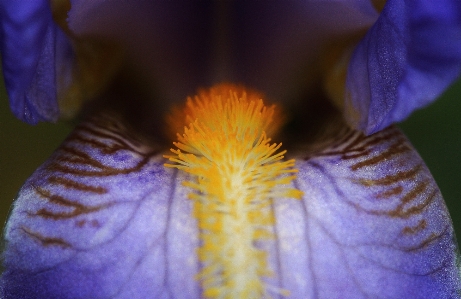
(32, 48)
(168, 43)
(405, 61)
(180, 45)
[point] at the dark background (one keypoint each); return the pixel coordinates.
(434, 131)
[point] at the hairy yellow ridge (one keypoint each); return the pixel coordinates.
(237, 174)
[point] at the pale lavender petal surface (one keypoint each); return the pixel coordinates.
(32, 47)
(372, 224)
(406, 60)
(103, 218)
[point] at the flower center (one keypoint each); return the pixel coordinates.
(236, 172)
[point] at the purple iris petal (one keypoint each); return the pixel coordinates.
(406, 60)
(29, 55)
(372, 224)
(103, 218)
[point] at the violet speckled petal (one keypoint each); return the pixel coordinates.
(406, 60)
(103, 218)
(372, 224)
(29, 54)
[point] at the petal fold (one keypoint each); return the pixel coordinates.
(29, 58)
(405, 61)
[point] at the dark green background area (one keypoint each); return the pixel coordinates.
(436, 134)
(22, 149)
(434, 131)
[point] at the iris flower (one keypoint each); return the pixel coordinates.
(352, 212)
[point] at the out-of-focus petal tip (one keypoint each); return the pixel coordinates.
(405, 61)
(29, 53)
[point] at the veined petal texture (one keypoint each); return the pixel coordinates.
(103, 218)
(406, 60)
(372, 224)
(32, 48)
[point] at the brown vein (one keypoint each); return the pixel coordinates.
(414, 210)
(69, 156)
(359, 137)
(105, 170)
(422, 224)
(108, 125)
(109, 149)
(347, 135)
(362, 153)
(378, 138)
(359, 144)
(401, 211)
(87, 141)
(70, 184)
(46, 241)
(395, 149)
(78, 208)
(389, 193)
(430, 239)
(79, 157)
(393, 178)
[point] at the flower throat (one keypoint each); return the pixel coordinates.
(237, 173)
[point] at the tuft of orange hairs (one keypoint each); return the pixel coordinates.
(237, 172)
